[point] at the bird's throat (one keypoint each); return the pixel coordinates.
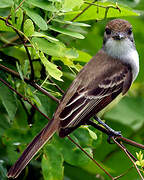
(125, 51)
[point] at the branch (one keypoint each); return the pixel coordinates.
(58, 88)
(127, 153)
(26, 48)
(36, 86)
(24, 98)
(121, 138)
(83, 10)
(90, 157)
(106, 7)
(130, 142)
(123, 174)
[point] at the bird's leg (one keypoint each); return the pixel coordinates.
(111, 132)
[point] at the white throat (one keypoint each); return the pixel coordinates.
(125, 51)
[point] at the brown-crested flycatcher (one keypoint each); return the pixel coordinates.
(109, 73)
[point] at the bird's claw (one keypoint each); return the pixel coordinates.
(113, 134)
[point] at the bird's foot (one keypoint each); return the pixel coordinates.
(113, 134)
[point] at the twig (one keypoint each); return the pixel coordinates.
(30, 61)
(50, 19)
(83, 10)
(106, 7)
(10, 71)
(26, 48)
(10, 25)
(10, 44)
(16, 9)
(60, 90)
(126, 152)
(19, 5)
(24, 98)
(90, 157)
(23, 105)
(123, 139)
(128, 141)
(123, 174)
(109, 6)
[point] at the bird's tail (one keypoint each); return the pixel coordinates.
(38, 142)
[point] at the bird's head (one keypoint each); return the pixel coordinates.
(118, 37)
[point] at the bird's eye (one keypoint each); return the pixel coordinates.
(108, 31)
(130, 31)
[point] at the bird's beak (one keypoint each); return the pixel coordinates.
(118, 36)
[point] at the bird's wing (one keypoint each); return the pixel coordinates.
(93, 98)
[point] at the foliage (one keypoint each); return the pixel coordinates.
(59, 43)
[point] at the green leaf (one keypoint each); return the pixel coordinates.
(88, 137)
(92, 134)
(19, 70)
(3, 171)
(67, 32)
(52, 163)
(51, 68)
(4, 27)
(69, 62)
(4, 124)
(5, 4)
(95, 12)
(43, 5)
(83, 57)
(28, 27)
(71, 23)
(15, 52)
(48, 37)
(142, 163)
(73, 155)
(13, 16)
(8, 100)
(54, 49)
(139, 156)
(138, 163)
(19, 20)
(69, 5)
(38, 20)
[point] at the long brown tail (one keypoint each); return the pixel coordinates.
(38, 142)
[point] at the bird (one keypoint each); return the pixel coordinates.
(107, 75)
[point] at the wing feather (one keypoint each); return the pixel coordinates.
(97, 97)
